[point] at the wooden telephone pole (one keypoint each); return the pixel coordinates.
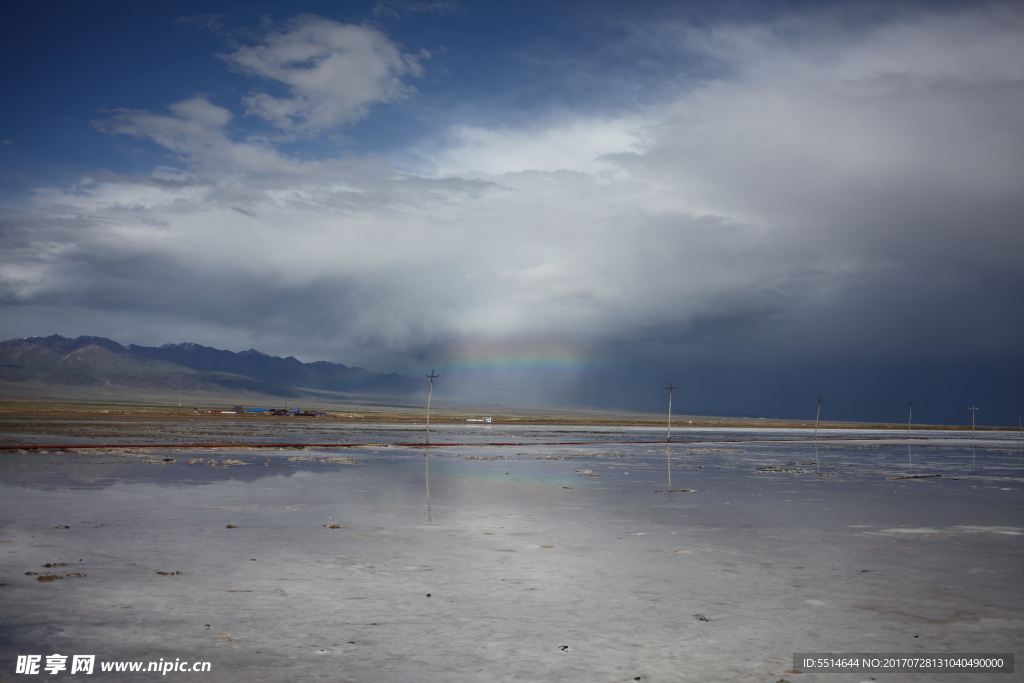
(670, 388)
(820, 400)
(910, 416)
(430, 395)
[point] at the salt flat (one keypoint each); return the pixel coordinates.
(507, 563)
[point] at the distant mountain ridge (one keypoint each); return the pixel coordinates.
(259, 366)
(86, 360)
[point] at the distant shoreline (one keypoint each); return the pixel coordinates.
(12, 409)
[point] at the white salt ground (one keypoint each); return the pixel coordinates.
(534, 571)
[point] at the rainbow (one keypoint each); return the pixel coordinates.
(510, 361)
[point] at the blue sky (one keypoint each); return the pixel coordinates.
(761, 202)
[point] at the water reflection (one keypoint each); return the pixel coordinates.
(668, 462)
(426, 482)
(856, 461)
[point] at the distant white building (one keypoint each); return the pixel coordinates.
(478, 419)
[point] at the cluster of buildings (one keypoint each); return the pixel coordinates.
(286, 412)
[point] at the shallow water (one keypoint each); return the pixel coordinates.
(535, 571)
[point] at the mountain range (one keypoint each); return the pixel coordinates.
(96, 361)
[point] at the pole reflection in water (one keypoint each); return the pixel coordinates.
(910, 459)
(426, 482)
(668, 461)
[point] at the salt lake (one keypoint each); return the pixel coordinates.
(566, 554)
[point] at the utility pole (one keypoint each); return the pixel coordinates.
(820, 400)
(910, 404)
(974, 412)
(1019, 425)
(430, 394)
(670, 388)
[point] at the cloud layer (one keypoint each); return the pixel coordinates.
(850, 194)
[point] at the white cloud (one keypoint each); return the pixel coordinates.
(333, 73)
(575, 145)
(980, 44)
(195, 130)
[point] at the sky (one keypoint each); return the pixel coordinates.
(758, 202)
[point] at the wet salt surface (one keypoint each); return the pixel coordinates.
(56, 431)
(535, 571)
